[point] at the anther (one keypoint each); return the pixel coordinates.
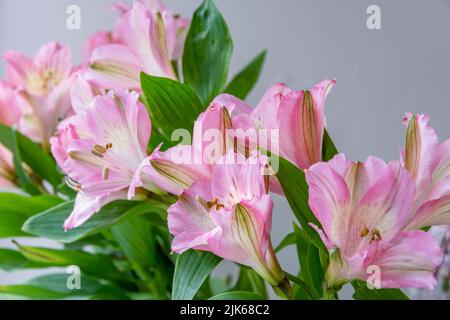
(105, 173)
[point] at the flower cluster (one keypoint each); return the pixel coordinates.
(94, 119)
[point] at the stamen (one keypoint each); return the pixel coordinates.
(72, 154)
(376, 236)
(108, 146)
(203, 202)
(72, 183)
(208, 205)
(105, 173)
(212, 203)
(98, 150)
(364, 232)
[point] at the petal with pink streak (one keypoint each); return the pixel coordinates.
(173, 170)
(432, 213)
(81, 94)
(407, 261)
(98, 39)
(143, 37)
(329, 195)
(303, 119)
(237, 179)
(189, 221)
(235, 106)
(421, 150)
(55, 58)
(265, 115)
(17, 68)
(114, 67)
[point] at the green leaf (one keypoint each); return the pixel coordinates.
(12, 215)
(237, 295)
(30, 291)
(137, 240)
(311, 270)
(295, 188)
(58, 283)
(207, 52)
(12, 260)
(49, 224)
(362, 292)
(32, 154)
(329, 150)
(95, 265)
(288, 240)
(171, 104)
(54, 286)
(23, 178)
(191, 270)
(244, 81)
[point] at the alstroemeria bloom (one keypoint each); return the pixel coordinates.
(363, 209)
(100, 151)
(231, 124)
(230, 216)
(43, 83)
(176, 27)
(150, 40)
(302, 124)
(428, 161)
(286, 122)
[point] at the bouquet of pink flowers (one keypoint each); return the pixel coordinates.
(148, 167)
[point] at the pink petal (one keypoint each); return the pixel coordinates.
(145, 36)
(407, 261)
(18, 67)
(86, 206)
(265, 114)
(81, 94)
(56, 58)
(98, 39)
(115, 67)
(303, 119)
(9, 105)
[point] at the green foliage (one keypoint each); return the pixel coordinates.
(245, 80)
(191, 270)
(30, 153)
(207, 52)
(171, 104)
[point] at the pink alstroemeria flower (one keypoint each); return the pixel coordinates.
(302, 123)
(428, 161)
(230, 216)
(231, 124)
(43, 83)
(147, 40)
(100, 150)
(363, 209)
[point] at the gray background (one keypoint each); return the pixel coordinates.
(380, 73)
